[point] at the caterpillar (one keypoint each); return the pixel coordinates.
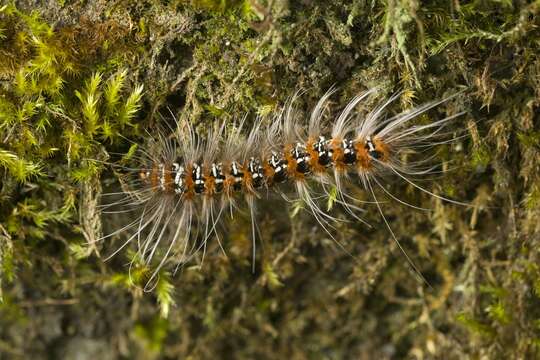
(183, 184)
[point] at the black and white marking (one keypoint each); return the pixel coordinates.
(178, 176)
(198, 179)
(216, 171)
(256, 170)
(323, 151)
(349, 152)
(302, 158)
(238, 175)
(280, 168)
(370, 147)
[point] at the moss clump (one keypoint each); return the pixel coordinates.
(72, 76)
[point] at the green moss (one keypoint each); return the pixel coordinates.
(71, 99)
(475, 326)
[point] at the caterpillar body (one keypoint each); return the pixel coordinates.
(183, 184)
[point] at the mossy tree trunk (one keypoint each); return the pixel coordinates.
(83, 80)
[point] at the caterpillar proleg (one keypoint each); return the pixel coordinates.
(183, 184)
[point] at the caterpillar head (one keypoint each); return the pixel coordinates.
(150, 176)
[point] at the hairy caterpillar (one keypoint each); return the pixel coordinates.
(183, 184)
